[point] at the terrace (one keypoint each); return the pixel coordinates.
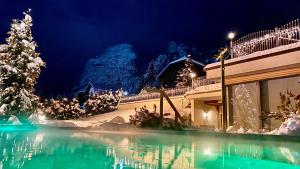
(170, 92)
(268, 41)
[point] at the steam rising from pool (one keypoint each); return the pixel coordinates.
(76, 149)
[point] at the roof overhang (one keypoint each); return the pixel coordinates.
(275, 63)
(176, 61)
(207, 92)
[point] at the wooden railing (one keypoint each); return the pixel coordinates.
(170, 92)
(288, 34)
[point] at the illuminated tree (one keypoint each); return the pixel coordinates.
(183, 75)
(20, 69)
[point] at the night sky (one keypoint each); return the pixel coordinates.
(69, 32)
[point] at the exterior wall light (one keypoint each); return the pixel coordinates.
(205, 114)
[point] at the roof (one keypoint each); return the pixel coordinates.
(179, 60)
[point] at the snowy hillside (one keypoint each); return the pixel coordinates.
(114, 69)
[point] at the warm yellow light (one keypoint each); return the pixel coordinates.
(207, 151)
(193, 75)
(231, 35)
(205, 114)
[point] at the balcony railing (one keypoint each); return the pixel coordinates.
(287, 35)
(170, 92)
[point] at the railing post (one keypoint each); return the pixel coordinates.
(277, 43)
(176, 120)
(224, 108)
(161, 111)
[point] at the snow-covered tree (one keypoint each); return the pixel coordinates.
(183, 75)
(20, 68)
(150, 76)
(114, 69)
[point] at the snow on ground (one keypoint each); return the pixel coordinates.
(109, 116)
(289, 127)
(38, 118)
(239, 130)
(106, 120)
(14, 120)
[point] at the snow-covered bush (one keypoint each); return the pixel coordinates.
(289, 105)
(143, 118)
(63, 109)
(98, 104)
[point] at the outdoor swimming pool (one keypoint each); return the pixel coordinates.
(36, 148)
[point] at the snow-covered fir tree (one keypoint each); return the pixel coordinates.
(150, 76)
(20, 68)
(183, 75)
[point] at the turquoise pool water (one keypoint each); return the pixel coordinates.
(36, 148)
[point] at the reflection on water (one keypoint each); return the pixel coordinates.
(66, 149)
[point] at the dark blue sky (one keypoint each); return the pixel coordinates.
(69, 32)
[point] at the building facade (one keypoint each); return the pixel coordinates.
(263, 66)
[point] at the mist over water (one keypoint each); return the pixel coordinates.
(62, 149)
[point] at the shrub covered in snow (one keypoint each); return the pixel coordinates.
(290, 104)
(143, 118)
(98, 104)
(63, 109)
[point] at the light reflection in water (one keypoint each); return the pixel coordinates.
(63, 149)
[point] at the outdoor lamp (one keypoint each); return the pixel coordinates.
(231, 35)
